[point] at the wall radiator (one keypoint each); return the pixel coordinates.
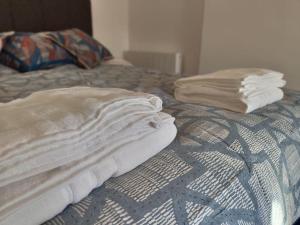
(170, 63)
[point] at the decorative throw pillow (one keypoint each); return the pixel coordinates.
(88, 52)
(28, 51)
(3, 36)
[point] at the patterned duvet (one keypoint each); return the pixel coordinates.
(223, 168)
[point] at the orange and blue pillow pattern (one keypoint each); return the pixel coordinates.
(28, 51)
(3, 36)
(88, 52)
(34, 51)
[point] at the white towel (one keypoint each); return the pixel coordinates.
(58, 145)
(249, 88)
(234, 78)
(241, 90)
(262, 98)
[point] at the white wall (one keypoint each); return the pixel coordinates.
(252, 33)
(167, 26)
(236, 33)
(110, 24)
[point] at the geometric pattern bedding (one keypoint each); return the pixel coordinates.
(223, 168)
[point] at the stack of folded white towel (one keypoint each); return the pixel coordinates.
(58, 145)
(240, 90)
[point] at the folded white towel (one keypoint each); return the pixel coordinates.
(234, 78)
(260, 86)
(262, 98)
(261, 76)
(242, 90)
(58, 145)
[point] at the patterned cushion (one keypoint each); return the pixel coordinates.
(87, 50)
(4, 35)
(28, 51)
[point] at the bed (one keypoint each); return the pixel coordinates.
(223, 167)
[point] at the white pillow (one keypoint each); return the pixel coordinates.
(117, 61)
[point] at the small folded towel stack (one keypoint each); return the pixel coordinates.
(240, 90)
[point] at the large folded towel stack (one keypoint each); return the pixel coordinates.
(58, 145)
(240, 90)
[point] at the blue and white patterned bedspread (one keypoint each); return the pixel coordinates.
(223, 168)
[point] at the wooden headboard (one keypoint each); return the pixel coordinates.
(45, 15)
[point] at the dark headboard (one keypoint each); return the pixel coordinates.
(45, 15)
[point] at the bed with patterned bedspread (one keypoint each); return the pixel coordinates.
(223, 168)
